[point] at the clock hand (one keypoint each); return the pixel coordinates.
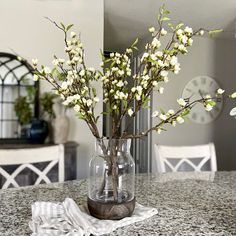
(200, 92)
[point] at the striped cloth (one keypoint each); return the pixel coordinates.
(67, 219)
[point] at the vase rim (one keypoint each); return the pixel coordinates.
(106, 138)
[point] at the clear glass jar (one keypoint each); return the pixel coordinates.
(111, 180)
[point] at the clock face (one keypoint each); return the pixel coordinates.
(202, 85)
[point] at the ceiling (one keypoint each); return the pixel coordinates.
(126, 20)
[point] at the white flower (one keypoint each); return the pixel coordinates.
(179, 32)
(151, 29)
(139, 89)
(145, 55)
(34, 61)
(68, 62)
(201, 32)
(233, 112)
(64, 85)
(163, 117)
(129, 50)
(177, 68)
(70, 81)
(159, 131)
(181, 102)
(133, 89)
(156, 43)
(47, 70)
(121, 72)
(184, 39)
(112, 54)
(188, 30)
(161, 90)
(160, 63)
(153, 57)
(117, 54)
(155, 114)
(164, 73)
(96, 99)
(120, 84)
(138, 97)
(180, 120)
(190, 42)
(163, 32)
(208, 107)
(130, 112)
(220, 91)
(72, 34)
(208, 96)
(166, 79)
(82, 73)
(62, 97)
(36, 78)
(171, 112)
(233, 95)
(159, 54)
(89, 102)
(154, 83)
(181, 47)
(118, 61)
(77, 108)
(174, 61)
(61, 60)
(173, 123)
(76, 96)
(55, 62)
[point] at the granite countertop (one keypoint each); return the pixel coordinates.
(188, 204)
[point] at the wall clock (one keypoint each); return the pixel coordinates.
(194, 88)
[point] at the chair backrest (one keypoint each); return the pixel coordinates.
(26, 158)
(174, 158)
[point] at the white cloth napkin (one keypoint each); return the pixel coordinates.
(67, 219)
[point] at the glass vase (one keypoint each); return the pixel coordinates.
(111, 180)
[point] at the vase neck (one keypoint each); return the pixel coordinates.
(114, 147)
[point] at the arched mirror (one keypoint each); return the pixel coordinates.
(16, 82)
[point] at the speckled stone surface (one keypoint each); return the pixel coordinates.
(188, 204)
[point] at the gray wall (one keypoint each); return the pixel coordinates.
(214, 58)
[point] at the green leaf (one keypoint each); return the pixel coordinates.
(134, 43)
(162, 111)
(180, 25)
(165, 18)
(214, 32)
(94, 92)
(211, 102)
(166, 12)
(63, 26)
(96, 120)
(185, 112)
(69, 27)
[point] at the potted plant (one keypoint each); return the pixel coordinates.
(111, 182)
(24, 114)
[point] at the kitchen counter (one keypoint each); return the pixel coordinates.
(188, 204)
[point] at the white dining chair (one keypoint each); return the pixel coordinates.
(185, 158)
(27, 158)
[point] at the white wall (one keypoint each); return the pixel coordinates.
(215, 58)
(24, 29)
